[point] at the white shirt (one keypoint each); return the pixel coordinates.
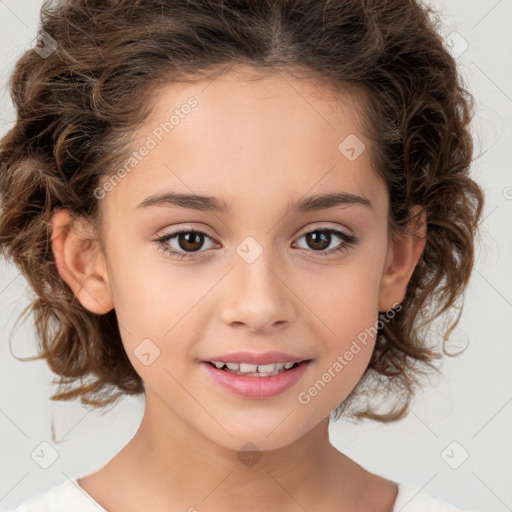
(69, 496)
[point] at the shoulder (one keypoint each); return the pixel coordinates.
(61, 498)
(413, 499)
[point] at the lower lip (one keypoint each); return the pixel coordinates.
(257, 387)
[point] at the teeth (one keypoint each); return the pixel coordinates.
(266, 368)
(246, 368)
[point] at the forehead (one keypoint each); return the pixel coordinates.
(252, 140)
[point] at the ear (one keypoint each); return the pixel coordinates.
(81, 262)
(403, 254)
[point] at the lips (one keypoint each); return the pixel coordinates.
(252, 387)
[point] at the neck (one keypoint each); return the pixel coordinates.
(178, 466)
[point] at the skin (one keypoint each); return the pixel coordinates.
(258, 144)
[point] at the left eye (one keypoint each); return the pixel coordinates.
(190, 241)
(319, 236)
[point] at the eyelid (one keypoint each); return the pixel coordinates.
(185, 227)
(315, 227)
(319, 227)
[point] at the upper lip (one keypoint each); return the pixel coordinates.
(257, 357)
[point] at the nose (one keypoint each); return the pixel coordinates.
(258, 297)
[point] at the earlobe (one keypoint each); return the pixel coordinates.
(403, 255)
(80, 262)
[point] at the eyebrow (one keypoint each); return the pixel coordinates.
(214, 204)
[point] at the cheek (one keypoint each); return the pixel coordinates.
(344, 304)
(158, 308)
(345, 298)
(150, 292)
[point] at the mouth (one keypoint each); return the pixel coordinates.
(250, 382)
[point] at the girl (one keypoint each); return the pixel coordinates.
(248, 211)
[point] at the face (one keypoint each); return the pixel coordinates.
(257, 275)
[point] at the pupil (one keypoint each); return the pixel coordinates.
(190, 237)
(324, 236)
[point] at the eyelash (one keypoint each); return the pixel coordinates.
(349, 242)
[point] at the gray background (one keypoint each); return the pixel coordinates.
(470, 405)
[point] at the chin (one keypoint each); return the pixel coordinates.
(252, 440)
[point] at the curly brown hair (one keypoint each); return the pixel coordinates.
(78, 104)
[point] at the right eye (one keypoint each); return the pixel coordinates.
(186, 238)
